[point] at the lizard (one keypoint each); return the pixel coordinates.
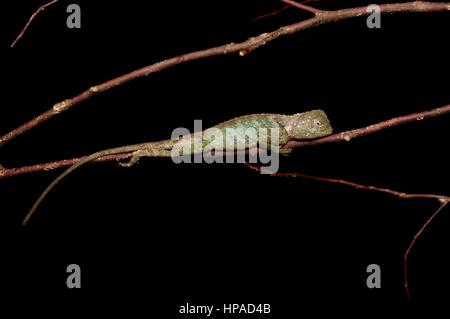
(300, 126)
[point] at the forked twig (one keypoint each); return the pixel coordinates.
(412, 243)
(444, 200)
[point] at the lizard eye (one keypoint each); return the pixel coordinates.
(317, 123)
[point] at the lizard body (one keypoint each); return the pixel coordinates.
(307, 125)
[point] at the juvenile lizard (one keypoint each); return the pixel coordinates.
(300, 126)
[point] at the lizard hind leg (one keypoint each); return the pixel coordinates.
(130, 161)
(144, 152)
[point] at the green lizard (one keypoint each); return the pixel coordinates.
(300, 126)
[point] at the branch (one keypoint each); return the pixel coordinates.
(290, 4)
(41, 8)
(11, 172)
(266, 15)
(411, 245)
(396, 121)
(303, 7)
(344, 136)
(242, 48)
(444, 200)
(440, 198)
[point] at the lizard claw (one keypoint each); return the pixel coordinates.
(130, 161)
(285, 151)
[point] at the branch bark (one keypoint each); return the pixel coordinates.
(321, 17)
(25, 28)
(339, 137)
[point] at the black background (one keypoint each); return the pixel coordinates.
(155, 236)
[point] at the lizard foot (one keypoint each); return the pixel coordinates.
(135, 156)
(285, 151)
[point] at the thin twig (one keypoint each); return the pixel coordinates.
(344, 136)
(270, 13)
(443, 199)
(25, 28)
(411, 245)
(303, 7)
(242, 48)
(275, 12)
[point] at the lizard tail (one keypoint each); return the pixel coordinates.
(67, 172)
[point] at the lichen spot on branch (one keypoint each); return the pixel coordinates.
(346, 137)
(61, 106)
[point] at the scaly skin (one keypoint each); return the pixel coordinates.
(300, 126)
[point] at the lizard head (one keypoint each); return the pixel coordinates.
(308, 125)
